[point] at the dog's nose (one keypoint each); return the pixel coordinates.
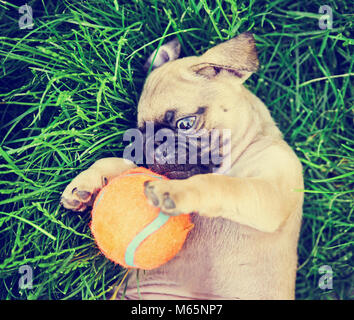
(162, 156)
(160, 147)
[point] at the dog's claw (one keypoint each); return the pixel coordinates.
(71, 202)
(149, 192)
(158, 197)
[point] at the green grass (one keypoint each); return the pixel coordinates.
(69, 88)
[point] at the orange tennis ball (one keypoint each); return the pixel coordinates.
(131, 232)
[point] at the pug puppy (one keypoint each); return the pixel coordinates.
(247, 214)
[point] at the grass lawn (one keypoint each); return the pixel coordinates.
(69, 88)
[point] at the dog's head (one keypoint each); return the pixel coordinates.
(194, 96)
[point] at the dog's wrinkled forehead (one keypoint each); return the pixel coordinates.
(171, 87)
(187, 83)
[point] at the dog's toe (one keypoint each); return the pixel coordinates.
(77, 200)
(72, 204)
(168, 203)
(84, 195)
(150, 194)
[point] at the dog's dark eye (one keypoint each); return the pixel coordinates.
(186, 123)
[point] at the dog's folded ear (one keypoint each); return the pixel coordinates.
(237, 56)
(167, 52)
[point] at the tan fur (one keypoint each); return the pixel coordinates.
(244, 244)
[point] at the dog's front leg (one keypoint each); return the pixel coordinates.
(255, 202)
(80, 193)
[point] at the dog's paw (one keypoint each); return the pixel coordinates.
(169, 196)
(82, 191)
